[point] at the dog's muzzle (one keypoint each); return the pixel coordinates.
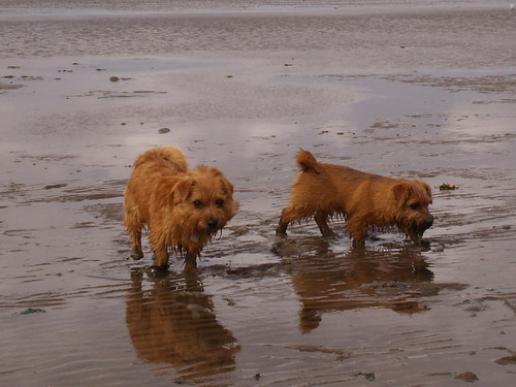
(417, 230)
(426, 224)
(213, 225)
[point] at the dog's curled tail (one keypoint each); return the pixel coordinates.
(307, 161)
(168, 155)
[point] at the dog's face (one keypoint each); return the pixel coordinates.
(413, 198)
(205, 199)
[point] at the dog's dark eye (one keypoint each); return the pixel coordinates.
(198, 204)
(415, 206)
(219, 202)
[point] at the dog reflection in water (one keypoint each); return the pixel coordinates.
(174, 322)
(361, 279)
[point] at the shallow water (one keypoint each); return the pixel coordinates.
(301, 311)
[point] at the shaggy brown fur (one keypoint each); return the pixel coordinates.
(182, 208)
(364, 199)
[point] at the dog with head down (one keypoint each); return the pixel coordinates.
(183, 209)
(364, 199)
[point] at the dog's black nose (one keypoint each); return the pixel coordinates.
(212, 223)
(427, 223)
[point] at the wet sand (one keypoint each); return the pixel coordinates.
(422, 91)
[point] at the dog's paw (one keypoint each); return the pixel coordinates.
(159, 269)
(136, 254)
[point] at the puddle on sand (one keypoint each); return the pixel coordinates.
(262, 309)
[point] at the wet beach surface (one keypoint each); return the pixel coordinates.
(414, 91)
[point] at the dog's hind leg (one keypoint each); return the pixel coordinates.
(288, 215)
(136, 244)
(134, 229)
(321, 220)
(357, 229)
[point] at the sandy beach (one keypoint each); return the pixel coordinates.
(401, 88)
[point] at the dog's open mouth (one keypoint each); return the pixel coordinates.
(213, 232)
(416, 231)
(416, 236)
(209, 232)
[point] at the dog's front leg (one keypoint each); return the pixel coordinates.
(357, 229)
(288, 215)
(321, 220)
(190, 261)
(358, 243)
(161, 257)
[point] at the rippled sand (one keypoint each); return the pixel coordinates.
(398, 88)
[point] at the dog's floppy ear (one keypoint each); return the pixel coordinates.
(401, 192)
(182, 190)
(228, 190)
(427, 189)
(227, 187)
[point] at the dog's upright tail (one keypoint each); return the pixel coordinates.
(307, 161)
(170, 156)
